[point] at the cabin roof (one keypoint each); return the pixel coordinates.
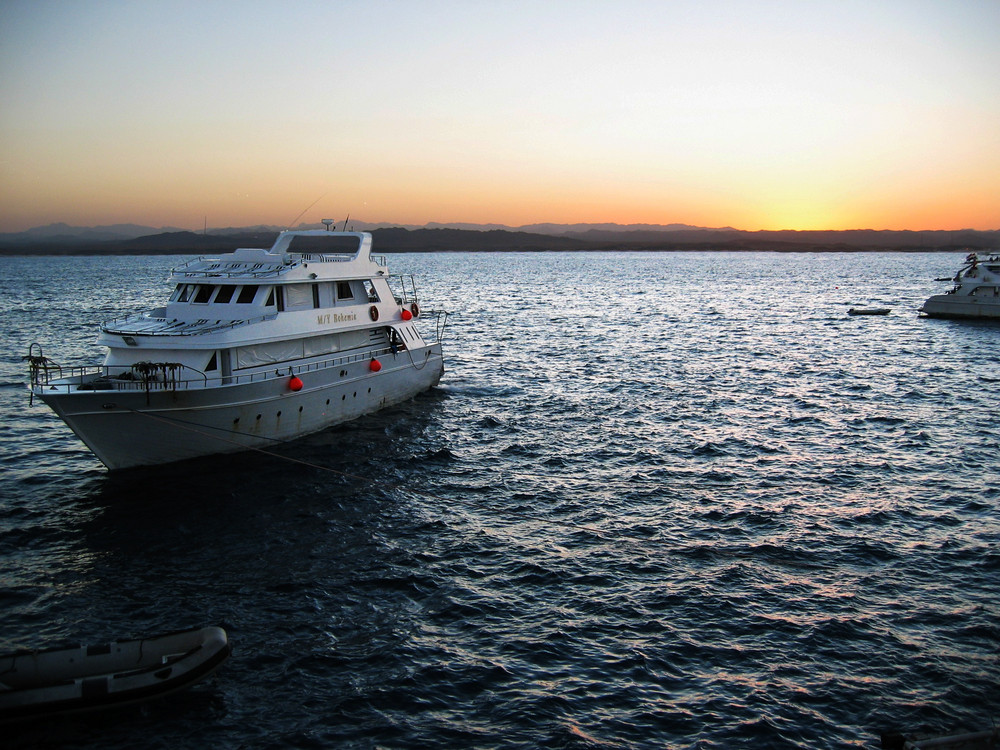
(292, 250)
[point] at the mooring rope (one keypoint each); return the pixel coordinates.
(193, 427)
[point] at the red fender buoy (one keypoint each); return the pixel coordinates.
(295, 384)
(406, 314)
(374, 365)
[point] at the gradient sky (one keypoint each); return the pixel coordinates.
(789, 114)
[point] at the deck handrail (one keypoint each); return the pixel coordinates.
(229, 272)
(110, 376)
(192, 329)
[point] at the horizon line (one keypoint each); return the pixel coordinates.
(477, 226)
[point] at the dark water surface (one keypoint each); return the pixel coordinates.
(674, 500)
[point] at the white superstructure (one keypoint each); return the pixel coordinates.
(253, 347)
(976, 293)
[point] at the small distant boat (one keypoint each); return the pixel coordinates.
(985, 740)
(35, 684)
(869, 311)
(976, 293)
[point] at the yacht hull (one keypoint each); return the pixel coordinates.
(127, 429)
(955, 306)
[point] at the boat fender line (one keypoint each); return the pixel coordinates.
(427, 358)
(373, 313)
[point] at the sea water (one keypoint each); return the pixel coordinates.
(663, 500)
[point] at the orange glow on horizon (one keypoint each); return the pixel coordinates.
(404, 196)
(795, 116)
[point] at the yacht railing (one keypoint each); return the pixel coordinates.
(404, 288)
(246, 273)
(167, 376)
(338, 258)
(214, 268)
(440, 322)
(163, 327)
(217, 269)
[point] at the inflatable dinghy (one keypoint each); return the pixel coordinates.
(84, 678)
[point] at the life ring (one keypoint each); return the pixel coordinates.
(415, 310)
(373, 312)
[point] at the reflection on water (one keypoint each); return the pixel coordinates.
(660, 500)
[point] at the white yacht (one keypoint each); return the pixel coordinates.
(253, 347)
(976, 293)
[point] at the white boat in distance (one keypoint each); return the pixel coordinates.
(976, 293)
(253, 347)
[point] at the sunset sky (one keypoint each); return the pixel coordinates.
(788, 114)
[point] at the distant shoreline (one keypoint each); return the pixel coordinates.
(397, 240)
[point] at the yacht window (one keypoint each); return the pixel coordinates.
(213, 363)
(185, 291)
(247, 294)
(372, 294)
(344, 290)
(204, 293)
(315, 288)
(177, 293)
(225, 294)
(276, 296)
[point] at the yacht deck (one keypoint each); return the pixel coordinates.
(142, 324)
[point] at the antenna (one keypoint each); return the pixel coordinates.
(345, 223)
(327, 223)
(306, 209)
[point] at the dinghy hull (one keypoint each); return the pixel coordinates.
(35, 684)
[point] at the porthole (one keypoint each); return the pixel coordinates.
(279, 413)
(300, 410)
(236, 421)
(328, 402)
(258, 417)
(344, 397)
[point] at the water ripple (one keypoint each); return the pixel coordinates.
(660, 500)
